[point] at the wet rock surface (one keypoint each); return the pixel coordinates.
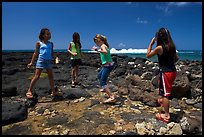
(80, 111)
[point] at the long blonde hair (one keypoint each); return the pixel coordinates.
(102, 38)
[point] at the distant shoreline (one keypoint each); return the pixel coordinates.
(65, 50)
(195, 55)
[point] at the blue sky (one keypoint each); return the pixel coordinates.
(125, 24)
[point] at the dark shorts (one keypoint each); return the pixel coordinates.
(165, 83)
(75, 62)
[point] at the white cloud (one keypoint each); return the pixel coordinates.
(167, 8)
(128, 3)
(139, 21)
(179, 4)
(121, 45)
(132, 4)
(164, 8)
(199, 3)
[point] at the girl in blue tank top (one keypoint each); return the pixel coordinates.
(45, 50)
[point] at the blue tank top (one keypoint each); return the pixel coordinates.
(45, 50)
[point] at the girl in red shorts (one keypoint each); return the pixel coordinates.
(167, 56)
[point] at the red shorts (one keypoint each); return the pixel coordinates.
(165, 83)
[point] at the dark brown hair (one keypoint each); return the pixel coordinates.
(74, 37)
(42, 33)
(164, 37)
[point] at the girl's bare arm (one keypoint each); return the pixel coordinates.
(34, 54)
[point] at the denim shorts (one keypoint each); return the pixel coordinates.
(44, 64)
(103, 75)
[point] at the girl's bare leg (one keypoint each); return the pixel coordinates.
(111, 96)
(33, 81)
(165, 102)
(73, 74)
(76, 73)
(51, 80)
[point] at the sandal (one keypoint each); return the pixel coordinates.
(73, 84)
(159, 117)
(102, 90)
(77, 83)
(159, 102)
(29, 95)
(110, 100)
(56, 94)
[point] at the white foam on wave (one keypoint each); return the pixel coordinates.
(130, 50)
(123, 51)
(91, 51)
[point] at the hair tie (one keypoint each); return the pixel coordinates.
(166, 31)
(103, 36)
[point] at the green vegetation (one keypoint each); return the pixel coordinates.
(43, 75)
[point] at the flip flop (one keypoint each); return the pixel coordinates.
(29, 95)
(159, 117)
(102, 90)
(73, 86)
(159, 102)
(110, 100)
(56, 94)
(77, 83)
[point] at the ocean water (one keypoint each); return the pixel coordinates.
(183, 54)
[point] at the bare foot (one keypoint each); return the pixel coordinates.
(163, 117)
(110, 100)
(29, 95)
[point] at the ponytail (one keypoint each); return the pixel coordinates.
(105, 41)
